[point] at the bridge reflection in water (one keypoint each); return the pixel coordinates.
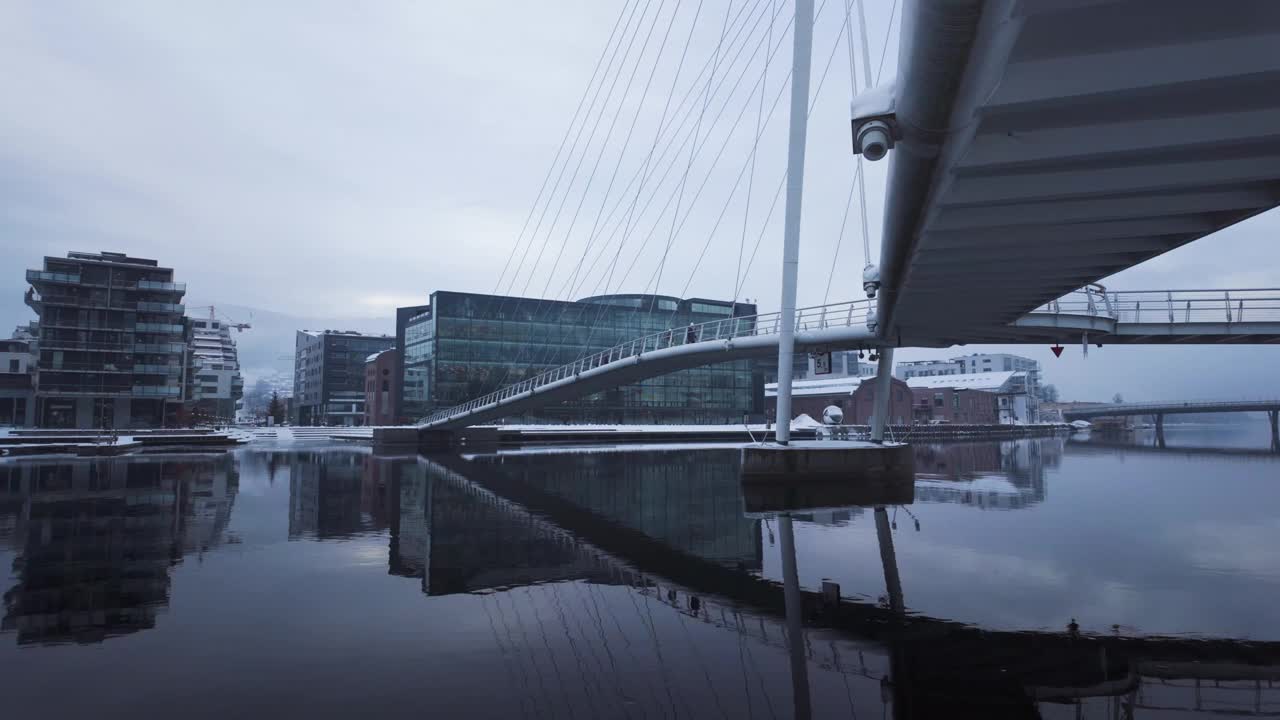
(559, 536)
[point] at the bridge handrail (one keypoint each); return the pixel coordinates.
(1170, 306)
(832, 315)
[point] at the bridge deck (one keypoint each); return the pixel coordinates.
(1049, 144)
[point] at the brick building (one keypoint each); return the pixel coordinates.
(854, 396)
(1009, 388)
(381, 388)
(954, 405)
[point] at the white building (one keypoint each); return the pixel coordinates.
(1013, 402)
(214, 381)
(1004, 362)
(927, 368)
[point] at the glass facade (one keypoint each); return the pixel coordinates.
(468, 345)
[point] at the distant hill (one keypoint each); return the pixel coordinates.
(268, 346)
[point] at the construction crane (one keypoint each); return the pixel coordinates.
(239, 327)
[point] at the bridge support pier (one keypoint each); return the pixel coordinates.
(472, 439)
(884, 386)
(1274, 417)
(1160, 429)
(431, 441)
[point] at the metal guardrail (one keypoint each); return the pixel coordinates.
(1170, 306)
(845, 314)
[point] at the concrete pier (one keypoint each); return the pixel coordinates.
(827, 460)
(410, 439)
(827, 492)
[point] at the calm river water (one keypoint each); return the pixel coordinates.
(1040, 578)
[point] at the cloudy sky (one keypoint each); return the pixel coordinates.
(330, 159)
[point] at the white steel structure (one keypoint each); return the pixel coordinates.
(1046, 144)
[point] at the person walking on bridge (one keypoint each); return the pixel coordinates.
(691, 335)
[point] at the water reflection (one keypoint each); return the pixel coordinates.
(615, 520)
(95, 540)
(991, 475)
(646, 584)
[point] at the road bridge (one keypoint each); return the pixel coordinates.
(1159, 409)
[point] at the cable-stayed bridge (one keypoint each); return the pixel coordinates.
(1036, 147)
(1104, 317)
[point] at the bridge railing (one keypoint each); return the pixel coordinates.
(1171, 306)
(835, 315)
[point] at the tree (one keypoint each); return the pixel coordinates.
(1118, 399)
(275, 408)
(1048, 393)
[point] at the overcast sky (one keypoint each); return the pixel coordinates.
(334, 159)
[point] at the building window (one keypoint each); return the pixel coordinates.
(938, 400)
(13, 366)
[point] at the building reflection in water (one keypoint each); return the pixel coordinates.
(495, 523)
(94, 539)
(1007, 475)
(334, 495)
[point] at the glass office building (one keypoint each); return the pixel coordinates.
(465, 345)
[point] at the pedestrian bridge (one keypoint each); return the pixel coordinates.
(1093, 313)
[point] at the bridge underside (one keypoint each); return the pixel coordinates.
(1048, 329)
(1051, 143)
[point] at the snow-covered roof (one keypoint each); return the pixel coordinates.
(969, 381)
(374, 356)
(818, 386)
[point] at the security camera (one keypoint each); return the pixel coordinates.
(874, 139)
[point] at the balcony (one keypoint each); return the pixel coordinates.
(35, 276)
(157, 348)
(122, 368)
(157, 307)
(160, 328)
(150, 391)
(55, 344)
(155, 391)
(74, 367)
(167, 370)
(157, 285)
